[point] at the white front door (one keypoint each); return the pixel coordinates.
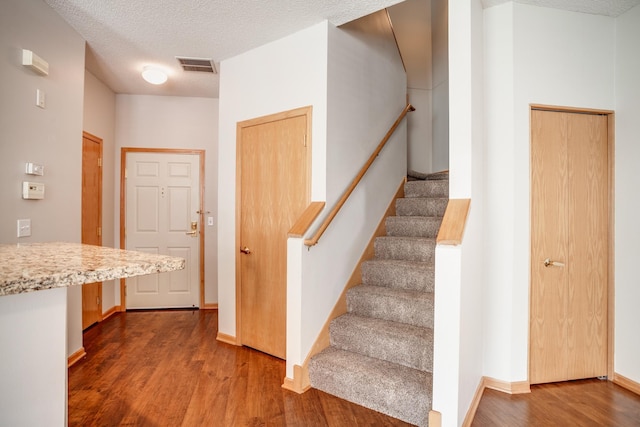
(162, 203)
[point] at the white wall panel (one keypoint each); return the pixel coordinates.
(627, 181)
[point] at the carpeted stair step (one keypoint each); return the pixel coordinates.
(407, 345)
(398, 305)
(420, 206)
(394, 390)
(405, 248)
(438, 188)
(415, 226)
(400, 274)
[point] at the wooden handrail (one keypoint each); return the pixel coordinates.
(306, 219)
(314, 240)
(454, 222)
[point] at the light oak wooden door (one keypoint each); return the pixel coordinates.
(162, 217)
(273, 194)
(91, 221)
(569, 246)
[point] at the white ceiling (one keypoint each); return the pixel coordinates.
(125, 35)
(594, 7)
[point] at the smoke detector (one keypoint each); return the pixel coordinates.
(204, 65)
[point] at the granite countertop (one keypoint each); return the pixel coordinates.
(37, 266)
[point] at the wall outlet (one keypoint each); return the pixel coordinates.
(24, 227)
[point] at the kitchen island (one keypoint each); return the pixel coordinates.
(33, 320)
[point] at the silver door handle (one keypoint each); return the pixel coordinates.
(547, 262)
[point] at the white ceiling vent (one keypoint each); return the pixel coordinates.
(197, 64)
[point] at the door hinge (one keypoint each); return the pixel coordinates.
(99, 162)
(99, 231)
(125, 173)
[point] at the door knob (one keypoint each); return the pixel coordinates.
(547, 262)
(194, 229)
(245, 250)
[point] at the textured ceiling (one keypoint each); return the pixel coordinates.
(595, 7)
(124, 35)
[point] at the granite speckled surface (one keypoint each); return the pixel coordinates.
(36, 266)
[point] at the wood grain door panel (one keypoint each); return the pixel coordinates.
(273, 194)
(91, 221)
(569, 225)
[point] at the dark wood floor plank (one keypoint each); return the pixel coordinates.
(165, 368)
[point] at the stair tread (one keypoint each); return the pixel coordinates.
(396, 273)
(401, 263)
(408, 238)
(428, 188)
(421, 206)
(351, 376)
(415, 217)
(409, 248)
(417, 226)
(409, 306)
(401, 343)
(383, 326)
(393, 292)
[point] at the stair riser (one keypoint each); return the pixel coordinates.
(412, 311)
(439, 188)
(412, 351)
(422, 250)
(421, 207)
(401, 276)
(412, 226)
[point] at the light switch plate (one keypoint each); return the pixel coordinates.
(41, 98)
(34, 169)
(24, 227)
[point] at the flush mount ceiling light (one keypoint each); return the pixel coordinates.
(154, 75)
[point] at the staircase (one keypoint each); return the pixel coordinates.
(381, 353)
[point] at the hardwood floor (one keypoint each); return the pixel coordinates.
(165, 368)
(575, 403)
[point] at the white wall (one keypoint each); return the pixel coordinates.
(334, 70)
(570, 63)
(51, 137)
(362, 56)
(173, 122)
(286, 74)
(440, 85)
(458, 333)
(627, 202)
(419, 129)
(414, 39)
(498, 179)
(100, 120)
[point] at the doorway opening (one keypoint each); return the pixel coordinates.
(571, 293)
(161, 211)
